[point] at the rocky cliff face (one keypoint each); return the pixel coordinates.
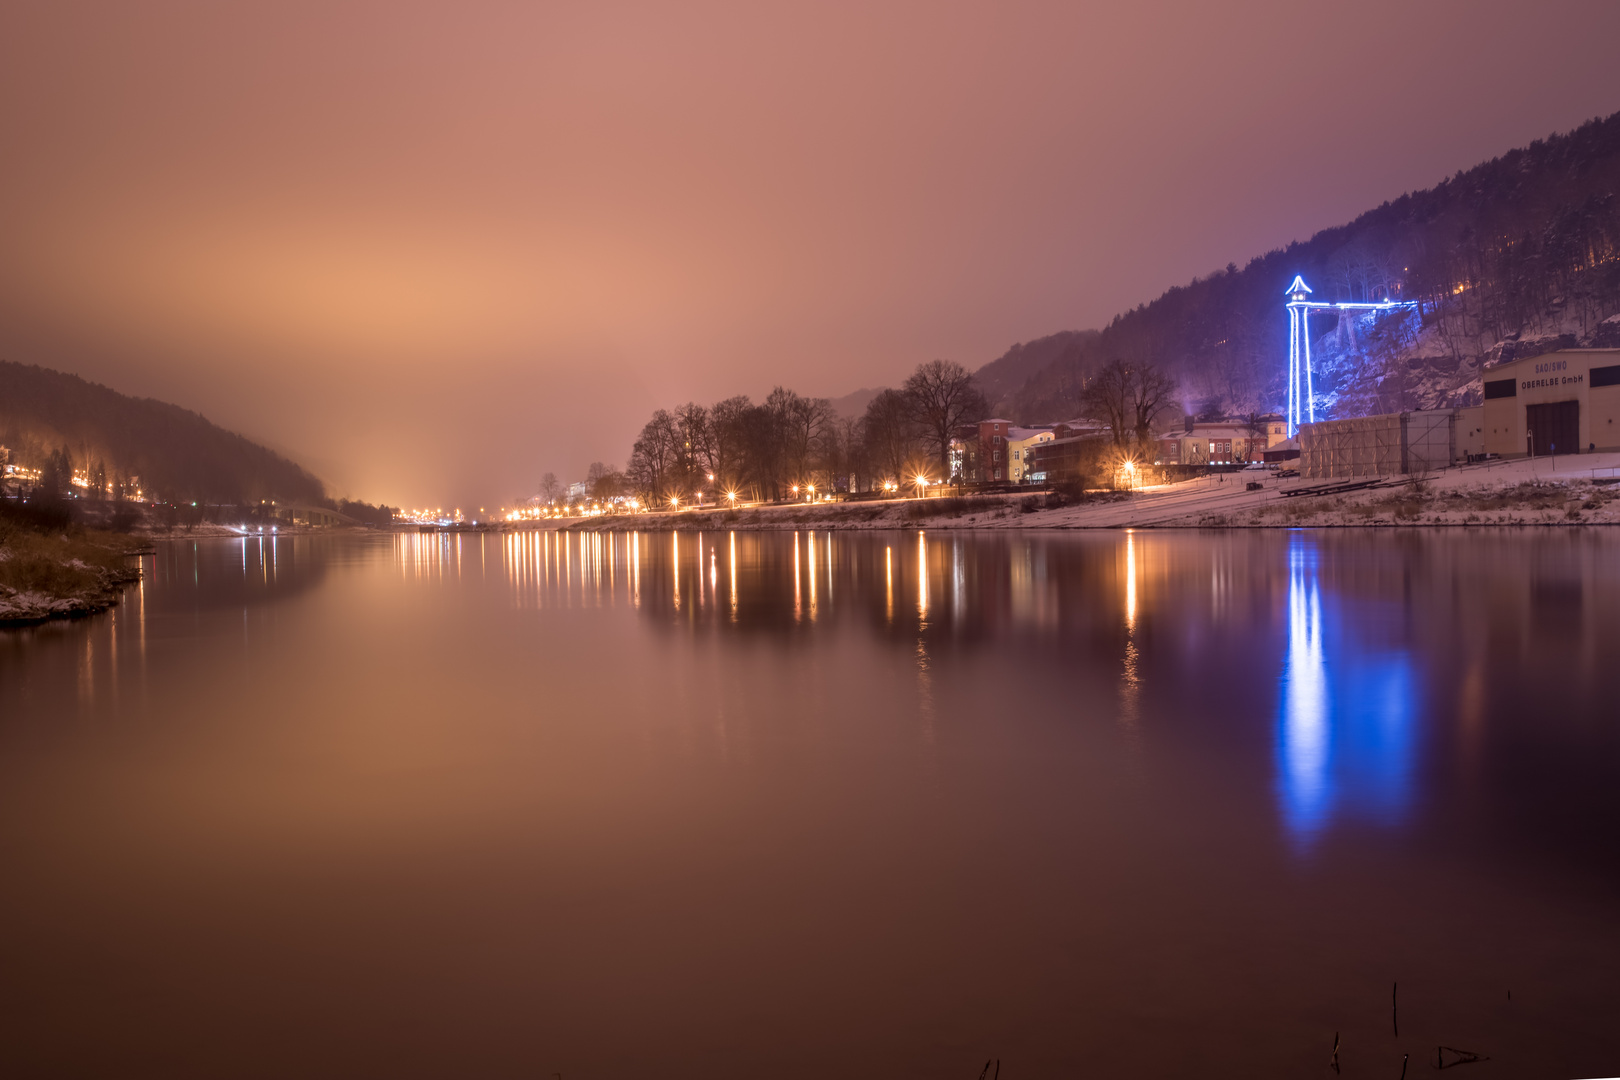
(1369, 364)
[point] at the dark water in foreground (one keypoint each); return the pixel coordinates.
(1151, 804)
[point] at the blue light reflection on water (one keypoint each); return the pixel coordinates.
(1346, 726)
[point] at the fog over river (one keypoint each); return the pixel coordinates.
(811, 805)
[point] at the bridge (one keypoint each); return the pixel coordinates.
(299, 514)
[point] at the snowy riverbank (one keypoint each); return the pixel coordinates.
(56, 575)
(1579, 490)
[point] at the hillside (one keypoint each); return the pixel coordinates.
(852, 405)
(1513, 257)
(176, 454)
(1004, 376)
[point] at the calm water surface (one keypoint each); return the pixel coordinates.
(1149, 804)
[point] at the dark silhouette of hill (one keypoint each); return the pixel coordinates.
(1002, 377)
(1515, 256)
(177, 455)
(852, 405)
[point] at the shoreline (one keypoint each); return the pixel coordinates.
(46, 577)
(1576, 491)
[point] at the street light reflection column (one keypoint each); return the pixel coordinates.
(810, 561)
(922, 576)
(1130, 580)
(888, 577)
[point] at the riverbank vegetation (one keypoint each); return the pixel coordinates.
(50, 569)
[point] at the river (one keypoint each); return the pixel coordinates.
(795, 805)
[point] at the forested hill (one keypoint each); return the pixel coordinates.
(178, 455)
(1512, 257)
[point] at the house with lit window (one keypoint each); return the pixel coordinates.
(1021, 443)
(1228, 441)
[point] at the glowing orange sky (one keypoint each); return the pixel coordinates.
(431, 250)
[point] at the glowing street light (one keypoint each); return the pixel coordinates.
(731, 496)
(674, 501)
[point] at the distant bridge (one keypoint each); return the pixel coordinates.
(300, 514)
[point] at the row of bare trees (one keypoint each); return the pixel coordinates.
(788, 441)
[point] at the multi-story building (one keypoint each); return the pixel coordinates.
(979, 452)
(1075, 452)
(1021, 443)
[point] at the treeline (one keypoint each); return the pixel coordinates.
(1527, 243)
(367, 514)
(788, 441)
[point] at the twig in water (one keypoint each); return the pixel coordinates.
(984, 1072)
(1403, 1065)
(1335, 1061)
(1464, 1057)
(998, 1069)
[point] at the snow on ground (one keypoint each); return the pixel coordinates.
(1583, 489)
(1580, 489)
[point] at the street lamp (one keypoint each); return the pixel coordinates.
(674, 501)
(731, 496)
(922, 482)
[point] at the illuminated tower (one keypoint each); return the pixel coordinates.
(1301, 390)
(1301, 393)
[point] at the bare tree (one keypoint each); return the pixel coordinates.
(696, 443)
(1106, 397)
(1129, 399)
(550, 487)
(605, 481)
(890, 436)
(943, 398)
(727, 437)
(656, 458)
(801, 424)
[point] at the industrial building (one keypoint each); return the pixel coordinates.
(1565, 402)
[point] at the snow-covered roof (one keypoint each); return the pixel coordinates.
(1019, 434)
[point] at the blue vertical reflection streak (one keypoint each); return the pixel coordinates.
(1346, 734)
(1304, 744)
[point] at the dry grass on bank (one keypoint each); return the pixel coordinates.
(75, 564)
(1533, 502)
